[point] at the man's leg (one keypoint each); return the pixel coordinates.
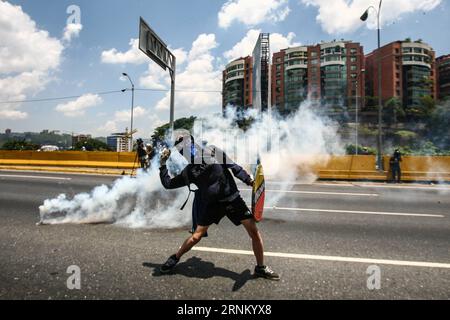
(192, 241)
(260, 270)
(257, 243)
(187, 245)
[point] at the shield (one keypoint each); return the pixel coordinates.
(258, 193)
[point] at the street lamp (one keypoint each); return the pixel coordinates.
(362, 83)
(132, 107)
(380, 101)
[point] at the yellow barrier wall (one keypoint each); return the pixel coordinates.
(335, 167)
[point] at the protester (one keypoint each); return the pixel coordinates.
(217, 196)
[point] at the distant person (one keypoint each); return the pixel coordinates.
(142, 153)
(395, 166)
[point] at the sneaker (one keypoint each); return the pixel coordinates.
(266, 272)
(169, 265)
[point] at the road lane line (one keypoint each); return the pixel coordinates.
(359, 212)
(331, 258)
(32, 177)
(403, 187)
(433, 187)
(324, 193)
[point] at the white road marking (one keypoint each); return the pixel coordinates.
(32, 177)
(309, 184)
(402, 187)
(359, 212)
(331, 258)
(323, 192)
(431, 187)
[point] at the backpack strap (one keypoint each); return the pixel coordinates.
(188, 183)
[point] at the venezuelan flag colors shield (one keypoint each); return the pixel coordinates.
(258, 193)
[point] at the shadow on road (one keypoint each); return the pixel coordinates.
(197, 268)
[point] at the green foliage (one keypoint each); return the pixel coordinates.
(438, 130)
(350, 149)
(405, 134)
(182, 123)
(92, 145)
(393, 111)
(19, 145)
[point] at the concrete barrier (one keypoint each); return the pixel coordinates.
(347, 167)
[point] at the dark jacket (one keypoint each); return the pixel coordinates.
(215, 184)
(209, 182)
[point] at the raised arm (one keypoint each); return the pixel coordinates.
(171, 183)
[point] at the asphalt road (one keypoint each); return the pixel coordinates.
(318, 238)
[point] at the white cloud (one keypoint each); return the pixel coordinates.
(78, 107)
(142, 118)
(245, 46)
(72, 30)
(251, 12)
(125, 115)
(157, 78)
(134, 55)
(27, 57)
(342, 16)
(154, 78)
(199, 84)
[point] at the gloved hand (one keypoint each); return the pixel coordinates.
(250, 182)
(165, 154)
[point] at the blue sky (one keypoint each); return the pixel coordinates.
(36, 61)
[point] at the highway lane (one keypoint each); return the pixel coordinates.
(119, 263)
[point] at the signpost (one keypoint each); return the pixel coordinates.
(157, 50)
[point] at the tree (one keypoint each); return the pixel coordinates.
(438, 130)
(183, 123)
(92, 145)
(19, 145)
(393, 111)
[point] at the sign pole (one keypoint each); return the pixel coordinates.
(172, 99)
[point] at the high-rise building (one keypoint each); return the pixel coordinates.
(237, 83)
(443, 76)
(81, 138)
(289, 78)
(119, 141)
(407, 72)
(328, 73)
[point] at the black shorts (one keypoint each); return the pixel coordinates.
(235, 210)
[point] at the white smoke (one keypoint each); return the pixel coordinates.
(289, 149)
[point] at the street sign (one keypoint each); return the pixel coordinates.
(154, 47)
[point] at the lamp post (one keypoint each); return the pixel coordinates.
(361, 82)
(132, 108)
(380, 97)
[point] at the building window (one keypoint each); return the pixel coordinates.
(278, 67)
(353, 75)
(353, 59)
(353, 51)
(353, 68)
(314, 54)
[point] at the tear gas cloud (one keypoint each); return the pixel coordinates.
(289, 148)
